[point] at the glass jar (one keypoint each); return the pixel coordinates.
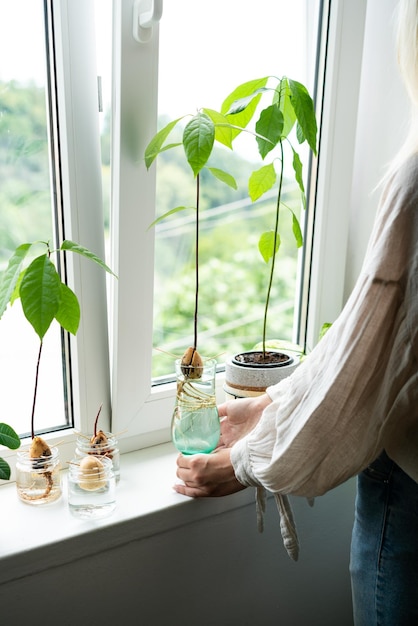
(195, 425)
(38, 480)
(91, 487)
(108, 448)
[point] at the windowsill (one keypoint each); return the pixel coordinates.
(146, 505)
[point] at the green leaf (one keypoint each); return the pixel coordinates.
(297, 167)
(232, 108)
(70, 246)
(266, 245)
(223, 177)
(11, 275)
(299, 134)
(261, 181)
(305, 112)
(289, 115)
(9, 437)
(324, 329)
(16, 292)
(223, 129)
(155, 146)
(68, 314)
(168, 213)
(297, 231)
(270, 126)
(40, 294)
(4, 470)
(198, 140)
(241, 104)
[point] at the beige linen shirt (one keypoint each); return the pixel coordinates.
(357, 392)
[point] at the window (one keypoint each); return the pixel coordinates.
(51, 173)
(188, 58)
(141, 411)
(200, 67)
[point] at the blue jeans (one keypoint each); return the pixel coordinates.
(384, 548)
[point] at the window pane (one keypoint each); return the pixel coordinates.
(199, 67)
(25, 213)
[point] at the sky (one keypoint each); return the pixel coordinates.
(204, 52)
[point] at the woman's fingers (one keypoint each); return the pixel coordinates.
(207, 474)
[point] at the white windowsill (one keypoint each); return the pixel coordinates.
(146, 505)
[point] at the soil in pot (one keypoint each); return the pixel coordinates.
(258, 358)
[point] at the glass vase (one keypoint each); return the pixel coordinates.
(195, 425)
(108, 448)
(91, 487)
(38, 480)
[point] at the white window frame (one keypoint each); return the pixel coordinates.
(78, 111)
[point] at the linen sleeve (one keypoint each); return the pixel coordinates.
(323, 423)
(328, 420)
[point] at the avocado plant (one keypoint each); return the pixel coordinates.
(44, 297)
(289, 107)
(199, 135)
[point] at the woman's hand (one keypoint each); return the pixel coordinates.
(213, 474)
(239, 417)
(207, 474)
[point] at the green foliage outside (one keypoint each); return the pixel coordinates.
(25, 199)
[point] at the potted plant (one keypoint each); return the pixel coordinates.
(195, 423)
(44, 297)
(289, 108)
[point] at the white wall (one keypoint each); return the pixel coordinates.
(381, 127)
(216, 571)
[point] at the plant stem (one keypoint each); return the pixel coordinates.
(273, 258)
(196, 261)
(96, 420)
(32, 421)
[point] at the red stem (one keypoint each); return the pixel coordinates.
(32, 421)
(196, 261)
(96, 420)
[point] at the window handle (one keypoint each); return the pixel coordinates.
(146, 14)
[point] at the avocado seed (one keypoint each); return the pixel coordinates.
(99, 439)
(91, 474)
(39, 448)
(192, 364)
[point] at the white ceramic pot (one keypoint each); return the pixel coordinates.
(243, 380)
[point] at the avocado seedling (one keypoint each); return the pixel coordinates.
(99, 444)
(44, 297)
(198, 140)
(289, 109)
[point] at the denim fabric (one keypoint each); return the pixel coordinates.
(384, 549)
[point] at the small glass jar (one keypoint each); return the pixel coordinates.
(107, 448)
(38, 480)
(195, 425)
(91, 487)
